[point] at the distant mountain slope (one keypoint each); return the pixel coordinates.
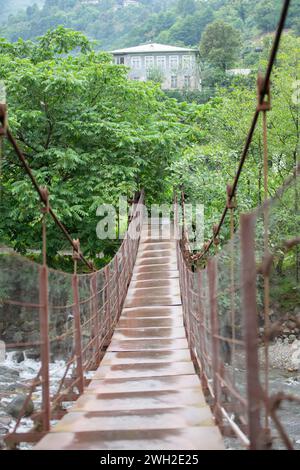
(178, 22)
(8, 7)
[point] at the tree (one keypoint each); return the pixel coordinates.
(266, 15)
(205, 169)
(186, 7)
(89, 134)
(188, 30)
(220, 44)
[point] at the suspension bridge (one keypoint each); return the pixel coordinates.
(162, 348)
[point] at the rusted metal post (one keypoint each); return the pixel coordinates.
(44, 321)
(95, 314)
(189, 305)
(77, 323)
(232, 205)
(77, 334)
(45, 346)
(117, 281)
(123, 272)
(185, 301)
(107, 296)
(248, 265)
(213, 289)
(201, 324)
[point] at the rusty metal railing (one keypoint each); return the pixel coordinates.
(227, 330)
(263, 106)
(65, 322)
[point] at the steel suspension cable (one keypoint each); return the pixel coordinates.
(263, 91)
(40, 192)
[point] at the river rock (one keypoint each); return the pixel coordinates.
(7, 387)
(7, 373)
(5, 421)
(15, 406)
(18, 356)
(33, 354)
(284, 355)
(291, 324)
(292, 338)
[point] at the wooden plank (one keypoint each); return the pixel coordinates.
(192, 438)
(125, 371)
(172, 418)
(149, 333)
(145, 393)
(146, 357)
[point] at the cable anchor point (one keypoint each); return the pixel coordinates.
(263, 94)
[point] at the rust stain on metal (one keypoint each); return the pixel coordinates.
(146, 387)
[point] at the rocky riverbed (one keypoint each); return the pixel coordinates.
(17, 373)
(16, 376)
(284, 376)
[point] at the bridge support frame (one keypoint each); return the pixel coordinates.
(249, 274)
(213, 289)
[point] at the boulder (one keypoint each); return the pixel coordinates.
(33, 354)
(18, 356)
(8, 373)
(15, 407)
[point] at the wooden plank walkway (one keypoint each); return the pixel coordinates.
(145, 394)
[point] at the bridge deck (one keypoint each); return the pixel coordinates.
(145, 394)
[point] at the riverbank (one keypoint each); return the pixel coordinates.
(284, 375)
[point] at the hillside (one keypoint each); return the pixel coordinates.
(179, 22)
(9, 7)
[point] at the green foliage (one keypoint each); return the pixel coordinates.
(176, 22)
(206, 169)
(220, 45)
(89, 134)
(171, 21)
(186, 7)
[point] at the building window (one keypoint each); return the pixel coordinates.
(149, 62)
(161, 61)
(173, 81)
(186, 61)
(187, 81)
(121, 60)
(136, 62)
(173, 61)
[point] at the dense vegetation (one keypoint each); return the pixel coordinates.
(88, 132)
(91, 135)
(180, 22)
(228, 33)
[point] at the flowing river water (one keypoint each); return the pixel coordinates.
(15, 379)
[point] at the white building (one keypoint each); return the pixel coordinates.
(237, 72)
(178, 67)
